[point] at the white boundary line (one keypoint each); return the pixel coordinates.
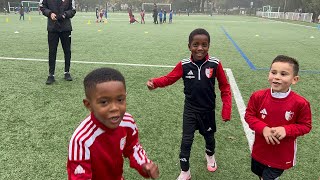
(241, 107)
(234, 87)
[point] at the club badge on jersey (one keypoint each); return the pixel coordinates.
(122, 143)
(289, 115)
(209, 72)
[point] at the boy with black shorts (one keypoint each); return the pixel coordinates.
(199, 74)
(278, 116)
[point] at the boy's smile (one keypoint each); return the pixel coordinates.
(108, 103)
(199, 47)
(281, 76)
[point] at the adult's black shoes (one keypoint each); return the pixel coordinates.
(50, 80)
(67, 76)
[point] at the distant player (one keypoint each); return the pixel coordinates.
(133, 20)
(142, 14)
(170, 16)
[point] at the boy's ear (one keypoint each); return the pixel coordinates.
(189, 47)
(295, 79)
(87, 104)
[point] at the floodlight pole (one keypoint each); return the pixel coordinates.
(284, 7)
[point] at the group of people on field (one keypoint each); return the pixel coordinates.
(100, 14)
(277, 114)
(162, 14)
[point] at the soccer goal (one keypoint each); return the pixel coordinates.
(13, 6)
(32, 5)
(271, 12)
(148, 7)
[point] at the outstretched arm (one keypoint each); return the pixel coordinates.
(166, 80)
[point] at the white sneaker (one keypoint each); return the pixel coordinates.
(211, 163)
(184, 175)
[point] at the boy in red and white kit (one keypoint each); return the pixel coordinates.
(278, 116)
(108, 134)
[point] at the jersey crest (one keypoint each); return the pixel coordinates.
(289, 115)
(209, 72)
(122, 142)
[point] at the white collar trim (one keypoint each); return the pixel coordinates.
(280, 95)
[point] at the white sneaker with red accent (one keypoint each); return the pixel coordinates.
(211, 163)
(184, 175)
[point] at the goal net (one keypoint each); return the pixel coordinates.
(13, 6)
(148, 7)
(29, 5)
(271, 12)
(32, 5)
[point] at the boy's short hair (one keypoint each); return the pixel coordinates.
(290, 60)
(101, 75)
(199, 31)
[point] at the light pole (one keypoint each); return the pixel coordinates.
(284, 7)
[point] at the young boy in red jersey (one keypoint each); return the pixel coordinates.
(142, 14)
(108, 134)
(278, 116)
(199, 74)
(133, 20)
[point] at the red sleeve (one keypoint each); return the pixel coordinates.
(226, 97)
(303, 124)
(79, 170)
(170, 78)
(254, 123)
(134, 151)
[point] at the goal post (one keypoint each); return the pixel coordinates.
(271, 12)
(13, 6)
(32, 5)
(148, 7)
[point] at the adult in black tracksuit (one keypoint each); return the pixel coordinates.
(59, 13)
(155, 15)
(199, 74)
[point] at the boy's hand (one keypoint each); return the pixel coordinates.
(150, 84)
(269, 136)
(151, 169)
(279, 132)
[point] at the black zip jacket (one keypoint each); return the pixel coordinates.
(64, 9)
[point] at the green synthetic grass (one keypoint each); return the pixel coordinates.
(37, 120)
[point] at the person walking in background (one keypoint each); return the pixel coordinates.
(160, 16)
(164, 16)
(97, 14)
(155, 14)
(278, 116)
(170, 16)
(142, 14)
(59, 26)
(21, 12)
(108, 134)
(199, 73)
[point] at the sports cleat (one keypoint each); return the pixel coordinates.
(50, 80)
(184, 175)
(67, 76)
(211, 163)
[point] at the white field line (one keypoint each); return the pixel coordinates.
(234, 87)
(85, 62)
(241, 107)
